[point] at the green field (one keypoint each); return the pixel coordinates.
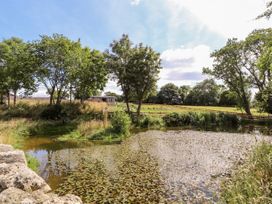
(162, 109)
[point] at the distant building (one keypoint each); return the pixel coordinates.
(107, 99)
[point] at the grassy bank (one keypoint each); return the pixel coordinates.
(251, 183)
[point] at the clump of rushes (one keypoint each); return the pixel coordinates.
(150, 122)
(200, 119)
(119, 129)
(251, 183)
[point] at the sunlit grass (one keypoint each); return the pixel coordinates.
(162, 109)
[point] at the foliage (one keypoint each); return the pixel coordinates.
(200, 119)
(120, 128)
(135, 68)
(204, 93)
(18, 67)
(150, 122)
(121, 123)
(251, 183)
(169, 94)
(32, 162)
(228, 98)
(90, 76)
(228, 66)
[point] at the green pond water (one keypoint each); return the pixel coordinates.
(115, 173)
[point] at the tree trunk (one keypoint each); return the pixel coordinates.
(70, 94)
(1, 99)
(8, 95)
(128, 108)
(139, 108)
(58, 97)
(246, 106)
(81, 100)
(14, 97)
(51, 98)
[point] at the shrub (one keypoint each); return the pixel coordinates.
(121, 123)
(53, 112)
(251, 183)
(20, 110)
(120, 128)
(173, 120)
(151, 122)
(200, 119)
(228, 119)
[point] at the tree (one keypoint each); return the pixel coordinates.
(90, 76)
(267, 14)
(136, 69)
(257, 49)
(18, 67)
(143, 73)
(56, 56)
(228, 66)
(183, 93)
(205, 93)
(117, 62)
(228, 98)
(169, 94)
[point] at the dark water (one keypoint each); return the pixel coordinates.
(59, 159)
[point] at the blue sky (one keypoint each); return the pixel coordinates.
(183, 31)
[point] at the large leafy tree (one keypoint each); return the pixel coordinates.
(183, 92)
(169, 94)
(136, 69)
(90, 76)
(144, 68)
(57, 55)
(18, 67)
(256, 60)
(229, 67)
(117, 61)
(205, 93)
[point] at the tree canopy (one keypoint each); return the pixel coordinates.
(136, 69)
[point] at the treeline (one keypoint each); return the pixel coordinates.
(64, 67)
(205, 93)
(68, 70)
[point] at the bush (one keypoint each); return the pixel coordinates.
(52, 112)
(121, 123)
(200, 119)
(151, 122)
(120, 128)
(20, 110)
(251, 183)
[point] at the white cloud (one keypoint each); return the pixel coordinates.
(230, 18)
(184, 65)
(135, 2)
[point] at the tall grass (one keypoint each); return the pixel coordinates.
(251, 183)
(200, 119)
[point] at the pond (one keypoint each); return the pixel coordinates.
(153, 166)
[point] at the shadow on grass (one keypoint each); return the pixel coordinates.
(51, 128)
